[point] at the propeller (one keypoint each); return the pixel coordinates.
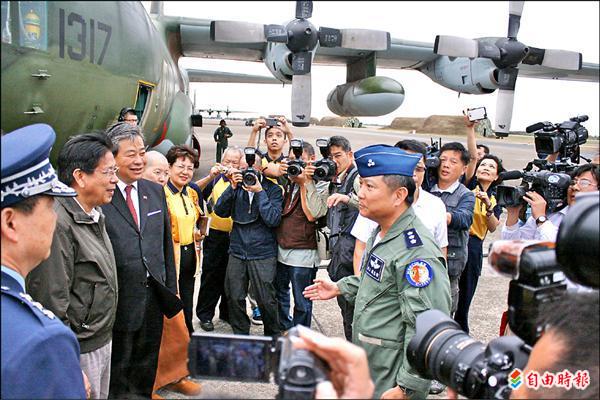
(302, 38)
(507, 53)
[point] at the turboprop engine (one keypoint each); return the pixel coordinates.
(369, 97)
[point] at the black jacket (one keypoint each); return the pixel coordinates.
(149, 249)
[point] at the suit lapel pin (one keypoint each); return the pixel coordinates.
(145, 197)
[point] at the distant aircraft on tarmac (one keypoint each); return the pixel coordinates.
(75, 64)
(473, 66)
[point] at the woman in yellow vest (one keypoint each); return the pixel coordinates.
(184, 200)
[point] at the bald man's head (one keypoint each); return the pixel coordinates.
(157, 168)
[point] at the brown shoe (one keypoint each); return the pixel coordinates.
(186, 386)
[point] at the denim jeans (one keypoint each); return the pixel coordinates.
(300, 277)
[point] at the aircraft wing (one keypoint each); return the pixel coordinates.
(201, 75)
(403, 54)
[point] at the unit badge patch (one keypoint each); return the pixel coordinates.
(375, 267)
(419, 273)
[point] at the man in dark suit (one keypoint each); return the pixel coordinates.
(137, 222)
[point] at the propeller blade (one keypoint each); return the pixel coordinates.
(454, 46)
(515, 10)
(534, 57)
(276, 33)
(330, 37)
(304, 9)
(504, 108)
(301, 63)
(301, 96)
(237, 32)
(365, 39)
(562, 59)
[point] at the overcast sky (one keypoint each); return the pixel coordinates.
(558, 25)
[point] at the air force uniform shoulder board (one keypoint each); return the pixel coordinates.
(25, 299)
(412, 239)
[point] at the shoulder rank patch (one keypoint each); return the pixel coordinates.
(418, 273)
(412, 239)
(375, 267)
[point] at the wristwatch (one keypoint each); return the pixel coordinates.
(541, 219)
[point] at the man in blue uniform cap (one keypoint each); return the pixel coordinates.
(40, 355)
(403, 272)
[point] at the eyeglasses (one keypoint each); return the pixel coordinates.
(110, 171)
(583, 183)
(183, 167)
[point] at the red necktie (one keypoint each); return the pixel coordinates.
(129, 202)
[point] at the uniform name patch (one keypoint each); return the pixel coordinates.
(418, 273)
(375, 267)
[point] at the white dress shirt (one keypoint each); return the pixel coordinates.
(546, 232)
(428, 208)
(134, 196)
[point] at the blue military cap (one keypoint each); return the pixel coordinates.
(26, 169)
(382, 159)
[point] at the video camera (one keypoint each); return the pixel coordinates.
(295, 167)
(432, 162)
(257, 358)
(441, 350)
(249, 175)
(325, 169)
(552, 186)
(564, 137)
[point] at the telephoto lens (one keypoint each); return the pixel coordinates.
(440, 350)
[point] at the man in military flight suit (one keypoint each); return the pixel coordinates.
(221, 136)
(403, 273)
(40, 355)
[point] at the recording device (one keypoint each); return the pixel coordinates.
(564, 137)
(476, 114)
(552, 186)
(432, 162)
(257, 358)
(295, 167)
(249, 175)
(272, 121)
(440, 350)
(325, 169)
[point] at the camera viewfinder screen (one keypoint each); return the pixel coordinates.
(229, 357)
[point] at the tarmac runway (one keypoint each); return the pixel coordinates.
(490, 299)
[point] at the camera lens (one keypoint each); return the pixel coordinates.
(249, 178)
(441, 350)
(294, 170)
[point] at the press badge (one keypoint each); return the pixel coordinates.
(375, 267)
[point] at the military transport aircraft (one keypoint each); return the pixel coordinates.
(74, 65)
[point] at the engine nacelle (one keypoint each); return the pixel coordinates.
(369, 97)
(477, 76)
(278, 59)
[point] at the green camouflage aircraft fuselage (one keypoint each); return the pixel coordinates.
(74, 65)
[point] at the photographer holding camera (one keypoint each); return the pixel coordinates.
(403, 272)
(543, 226)
(338, 199)
(254, 204)
(298, 258)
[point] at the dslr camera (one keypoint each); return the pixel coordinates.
(325, 169)
(564, 137)
(432, 162)
(249, 175)
(441, 350)
(295, 167)
(257, 359)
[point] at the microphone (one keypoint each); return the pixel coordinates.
(535, 127)
(509, 175)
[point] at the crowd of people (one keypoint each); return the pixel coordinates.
(100, 258)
